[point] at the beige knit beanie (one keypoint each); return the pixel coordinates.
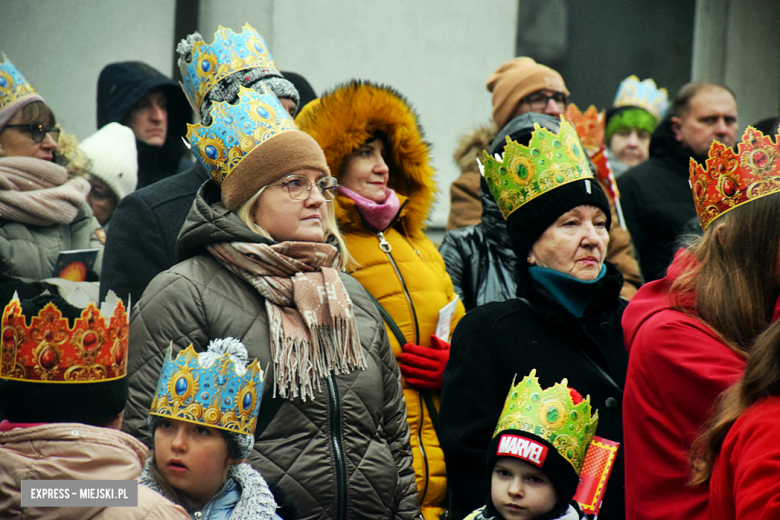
(514, 80)
(113, 157)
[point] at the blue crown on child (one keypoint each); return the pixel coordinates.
(13, 85)
(229, 53)
(237, 129)
(645, 95)
(219, 396)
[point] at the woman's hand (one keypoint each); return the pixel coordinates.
(424, 366)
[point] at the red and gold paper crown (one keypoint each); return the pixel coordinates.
(49, 351)
(589, 126)
(732, 179)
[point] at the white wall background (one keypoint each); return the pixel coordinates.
(437, 53)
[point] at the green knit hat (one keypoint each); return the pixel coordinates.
(628, 117)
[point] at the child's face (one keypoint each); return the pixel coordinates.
(520, 490)
(193, 458)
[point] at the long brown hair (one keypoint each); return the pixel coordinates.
(761, 379)
(735, 281)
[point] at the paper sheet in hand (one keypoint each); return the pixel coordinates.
(445, 320)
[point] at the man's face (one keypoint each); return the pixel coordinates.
(545, 101)
(712, 114)
(149, 118)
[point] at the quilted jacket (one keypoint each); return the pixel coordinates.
(399, 266)
(344, 454)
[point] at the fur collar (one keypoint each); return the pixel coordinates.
(256, 500)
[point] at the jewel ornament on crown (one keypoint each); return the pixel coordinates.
(13, 85)
(236, 130)
(526, 172)
(229, 53)
(645, 95)
(730, 179)
(552, 415)
(49, 351)
(589, 126)
(217, 396)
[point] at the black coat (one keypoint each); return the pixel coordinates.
(479, 258)
(141, 240)
(657, 201)
(497, 342)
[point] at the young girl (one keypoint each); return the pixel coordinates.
(203, 419)
(739, 454)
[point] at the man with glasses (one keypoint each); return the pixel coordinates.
(519, 86)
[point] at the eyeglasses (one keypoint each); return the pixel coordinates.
(38, 131)
(539, 100)
(299, 187)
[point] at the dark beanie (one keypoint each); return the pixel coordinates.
(38, 402)
(561, 473)
(302, 85)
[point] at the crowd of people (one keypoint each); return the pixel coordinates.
(262, 328)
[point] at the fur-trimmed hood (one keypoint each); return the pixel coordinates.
(471, 145)
(345, 118)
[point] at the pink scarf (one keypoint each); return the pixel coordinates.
(38, 192)
(378, 215)
(313, 328)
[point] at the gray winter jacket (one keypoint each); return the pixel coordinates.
(344, 454)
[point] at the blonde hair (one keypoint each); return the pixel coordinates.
(246, 214)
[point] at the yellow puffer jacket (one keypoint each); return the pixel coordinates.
(407, 276)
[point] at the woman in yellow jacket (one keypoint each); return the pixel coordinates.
(374, 145)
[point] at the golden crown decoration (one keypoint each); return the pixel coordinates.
(526, 172)
(731, 179)
(589, 126)
(228, 54)
(221, 395)
(236, 130)
(13, 85)
(645, 95)
(552, 415)
(48, 350)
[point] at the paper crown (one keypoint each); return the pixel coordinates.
(731, 179)
(237, 129)
(588, 125)
(551, 415)
(526, 172)
(643, 94)
(94, 350)
(217, 396)
(13, 85)
(229, 53)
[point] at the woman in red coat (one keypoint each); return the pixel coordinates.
(690, 333)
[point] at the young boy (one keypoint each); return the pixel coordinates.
(536, 454)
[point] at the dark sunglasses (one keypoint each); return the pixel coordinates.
(38, 131)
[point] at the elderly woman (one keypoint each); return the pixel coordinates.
(43, 197)
(691, 332)
(565, 322)
(371, 138)
(263, 260)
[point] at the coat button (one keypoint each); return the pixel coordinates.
(605, 327)
(611, 403)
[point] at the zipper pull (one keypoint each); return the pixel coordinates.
(384, 245)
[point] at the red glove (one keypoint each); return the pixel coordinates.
(424, 366)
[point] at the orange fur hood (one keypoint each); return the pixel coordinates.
(345, 118)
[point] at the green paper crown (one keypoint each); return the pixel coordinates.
(551, 415)
(526, 172)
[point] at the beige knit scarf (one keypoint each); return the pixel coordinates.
(313, 329)
(38, 192)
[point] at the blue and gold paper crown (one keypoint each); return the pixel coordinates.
(13, 85)
(229, 53)
(526, 172)
(238, 129)
(217, 396)
(552, 415)
(645, 95)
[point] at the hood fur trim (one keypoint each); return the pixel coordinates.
(470, 146)
(345, 118)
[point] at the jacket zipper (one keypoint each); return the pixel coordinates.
(385, 246)
(338, 449)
